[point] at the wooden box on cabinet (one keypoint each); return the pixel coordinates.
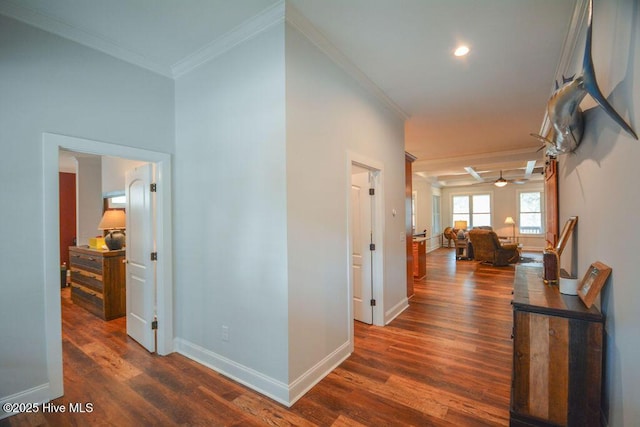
(98, 281)
(557, 355)
(419, 258)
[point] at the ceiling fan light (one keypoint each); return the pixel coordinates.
(500, 182)
(461, 50)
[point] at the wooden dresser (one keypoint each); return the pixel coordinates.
(557, 355)
(98, 281)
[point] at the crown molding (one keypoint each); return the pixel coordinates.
(304, 26)
(243, 32)
(80, 35)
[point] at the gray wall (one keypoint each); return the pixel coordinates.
(329, 115)
(230, 214)
(599, 184)
(49, 84)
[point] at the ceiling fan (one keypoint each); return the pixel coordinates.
(501, 181)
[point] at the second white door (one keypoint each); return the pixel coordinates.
(141, 275)
(361, 238)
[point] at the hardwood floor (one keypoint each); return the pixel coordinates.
(446, 361)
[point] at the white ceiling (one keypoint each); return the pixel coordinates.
(476, 111)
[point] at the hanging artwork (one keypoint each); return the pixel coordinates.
(563, 108)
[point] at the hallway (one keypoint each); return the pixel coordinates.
(445, 361)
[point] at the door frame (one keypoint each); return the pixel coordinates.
(377, 168)
(51, 144)
(366, 253)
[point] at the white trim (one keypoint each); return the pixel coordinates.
(36, 395)
(304, 26)
(396, 310)
(51, 143)
(253, 379)
(378, 230)
(286, 394)
(537, 189)
(80, 35)
(86, 37)
(245, 31)
(313, 376)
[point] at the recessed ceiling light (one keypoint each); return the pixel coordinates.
(461, 50)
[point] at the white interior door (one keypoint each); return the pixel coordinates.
(361, 237)
(141, 277)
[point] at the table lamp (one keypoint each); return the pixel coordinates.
(511, 222)
(115, 221)
(460, 226)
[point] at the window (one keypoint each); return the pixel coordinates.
(473, 208)
(435, 217)
(530, 204)
(414, 204)
(116, 202)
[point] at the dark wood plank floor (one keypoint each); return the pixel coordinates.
(446, 361)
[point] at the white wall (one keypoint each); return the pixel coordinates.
(230, 213)
(89, 202)
(599, 184)
(49, 84)
(424, 211)
(113, 171)
(329, 115)
(505, 203)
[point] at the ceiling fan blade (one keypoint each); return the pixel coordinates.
(471, 171)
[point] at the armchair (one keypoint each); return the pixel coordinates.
(449, 235)
(487, 248)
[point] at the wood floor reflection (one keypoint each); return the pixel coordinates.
(445, 361)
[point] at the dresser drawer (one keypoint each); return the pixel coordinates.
(86, 261)
(88, 299)
(98, 281)
(86, 278)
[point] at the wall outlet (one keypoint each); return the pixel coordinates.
(225, 333)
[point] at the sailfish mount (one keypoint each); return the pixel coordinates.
(563, 108)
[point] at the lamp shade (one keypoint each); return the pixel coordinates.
(113, 220)
(460, 225)
(509, 221)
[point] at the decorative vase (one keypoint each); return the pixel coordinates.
(114, 240)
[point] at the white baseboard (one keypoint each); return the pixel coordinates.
(253, 379)
(396, 310)
(313, 376)
(36, 395)
(286, 394)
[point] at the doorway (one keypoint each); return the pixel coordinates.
(365, 237)
(52, 143)
(362, 242)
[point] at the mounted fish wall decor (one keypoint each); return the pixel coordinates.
(563, 108)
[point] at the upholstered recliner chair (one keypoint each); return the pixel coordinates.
(487, 248)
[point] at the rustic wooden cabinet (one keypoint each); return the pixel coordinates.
(98, 281)
(557, 355)
(419, 258)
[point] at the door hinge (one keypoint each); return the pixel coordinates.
(373, 303)
(153, 187)
(154, 324)
(372, 191)
(372, 247)
(154, 256)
